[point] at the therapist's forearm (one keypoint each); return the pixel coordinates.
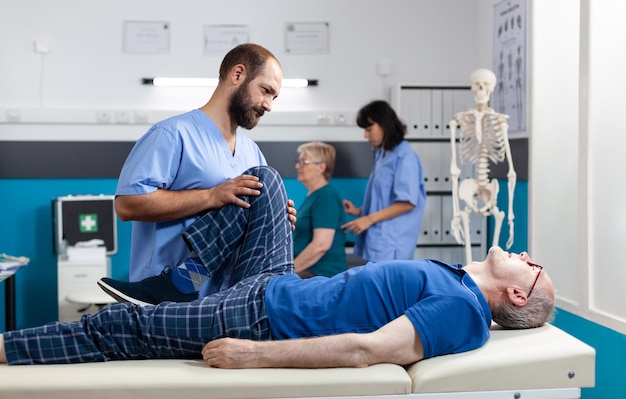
(390, 212)
(162, 205)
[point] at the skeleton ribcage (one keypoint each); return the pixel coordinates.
(480, 143)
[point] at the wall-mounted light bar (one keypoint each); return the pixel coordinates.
(212, 82)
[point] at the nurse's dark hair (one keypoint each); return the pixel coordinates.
(251, 55)
(379, 111)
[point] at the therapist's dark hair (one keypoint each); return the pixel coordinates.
(252, 56)
(380, 112)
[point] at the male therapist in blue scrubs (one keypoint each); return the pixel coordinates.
(191, 163)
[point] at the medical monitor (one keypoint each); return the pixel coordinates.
(85, 218)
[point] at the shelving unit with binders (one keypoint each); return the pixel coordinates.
(427, 111)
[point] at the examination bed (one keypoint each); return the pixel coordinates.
(540, 363)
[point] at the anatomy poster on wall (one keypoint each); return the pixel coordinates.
(509, 62)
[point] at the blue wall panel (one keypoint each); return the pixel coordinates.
(520, 211)
(27, 230)
(610, 349)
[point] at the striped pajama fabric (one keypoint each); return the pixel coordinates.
(257, 241)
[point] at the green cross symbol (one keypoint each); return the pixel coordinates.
(88, 222)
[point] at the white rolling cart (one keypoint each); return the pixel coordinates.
(85, 239)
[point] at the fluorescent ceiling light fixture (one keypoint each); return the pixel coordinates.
(212, 82)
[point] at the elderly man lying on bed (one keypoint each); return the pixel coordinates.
(387, 312)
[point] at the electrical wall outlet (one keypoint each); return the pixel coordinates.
(103, 116)
(13, 115)
(122, 116)
(42, 46)
(141, 116)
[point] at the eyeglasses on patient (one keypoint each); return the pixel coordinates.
(303, 162)
(534, 265)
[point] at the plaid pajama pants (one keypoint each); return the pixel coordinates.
(257, 240)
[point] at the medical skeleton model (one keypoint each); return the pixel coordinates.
(483, 138)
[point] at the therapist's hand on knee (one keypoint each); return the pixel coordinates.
(229, 191)
(291, 214)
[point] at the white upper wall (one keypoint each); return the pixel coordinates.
(425, 41)
(554, 140)
(605, 213)
(577, 214)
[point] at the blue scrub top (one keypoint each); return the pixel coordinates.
(445, 306)
(396, 176)
(184, 152)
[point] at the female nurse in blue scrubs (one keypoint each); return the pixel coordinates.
(388, 222)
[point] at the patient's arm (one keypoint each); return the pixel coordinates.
(397, 343)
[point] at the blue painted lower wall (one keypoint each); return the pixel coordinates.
(26, 216)
(610, 349)
(520, 220)
(27, 230)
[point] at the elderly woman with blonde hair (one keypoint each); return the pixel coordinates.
(318, 239)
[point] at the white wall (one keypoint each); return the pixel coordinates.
(606, 191)
(426, 41)
(553, 193)
(577, 219)
(86, 71)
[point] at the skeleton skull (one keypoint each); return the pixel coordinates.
(483, 84)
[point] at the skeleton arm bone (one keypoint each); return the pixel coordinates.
(455, 173)
(511, 181)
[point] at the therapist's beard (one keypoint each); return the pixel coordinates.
(242, 110)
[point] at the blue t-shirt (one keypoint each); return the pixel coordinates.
(180, 153)
(322, 209)
(445, 305)
(396, 176)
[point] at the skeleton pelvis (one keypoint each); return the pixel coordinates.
(480, 198)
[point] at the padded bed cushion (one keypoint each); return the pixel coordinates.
(541, 358)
